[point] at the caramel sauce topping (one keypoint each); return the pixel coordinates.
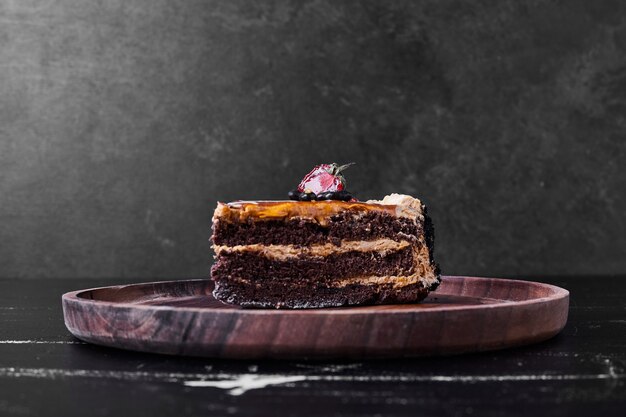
(321, 211)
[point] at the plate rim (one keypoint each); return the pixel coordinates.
(241, 333)
(558, 293)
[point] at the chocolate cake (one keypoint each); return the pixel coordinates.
(310, 254)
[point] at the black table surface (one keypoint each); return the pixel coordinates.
(45, 371)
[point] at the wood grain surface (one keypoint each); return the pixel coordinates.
(466, 314)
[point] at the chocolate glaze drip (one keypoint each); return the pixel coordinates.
(429, 237)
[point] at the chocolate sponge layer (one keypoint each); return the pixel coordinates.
(370, 226)
(259, 269)
(277, 295)
(251, 280)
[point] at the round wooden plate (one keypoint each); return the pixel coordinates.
(466, 314)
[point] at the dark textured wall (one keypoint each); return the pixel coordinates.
(122, 123)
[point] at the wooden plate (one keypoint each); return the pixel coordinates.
(466, 314)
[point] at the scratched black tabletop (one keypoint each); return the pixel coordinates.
(45, 371)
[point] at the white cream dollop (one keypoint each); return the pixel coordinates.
(406, 206)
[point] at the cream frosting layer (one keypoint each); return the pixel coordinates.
(424, 274)
(398, 281)
(284, 252)
(424, 270)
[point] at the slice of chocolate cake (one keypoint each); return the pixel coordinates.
(309, 254)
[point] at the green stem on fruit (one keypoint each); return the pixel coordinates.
(336, 169)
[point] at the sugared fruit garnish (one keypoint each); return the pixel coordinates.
(324, 177)
(324, 182)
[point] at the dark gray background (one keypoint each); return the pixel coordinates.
(122, 123)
